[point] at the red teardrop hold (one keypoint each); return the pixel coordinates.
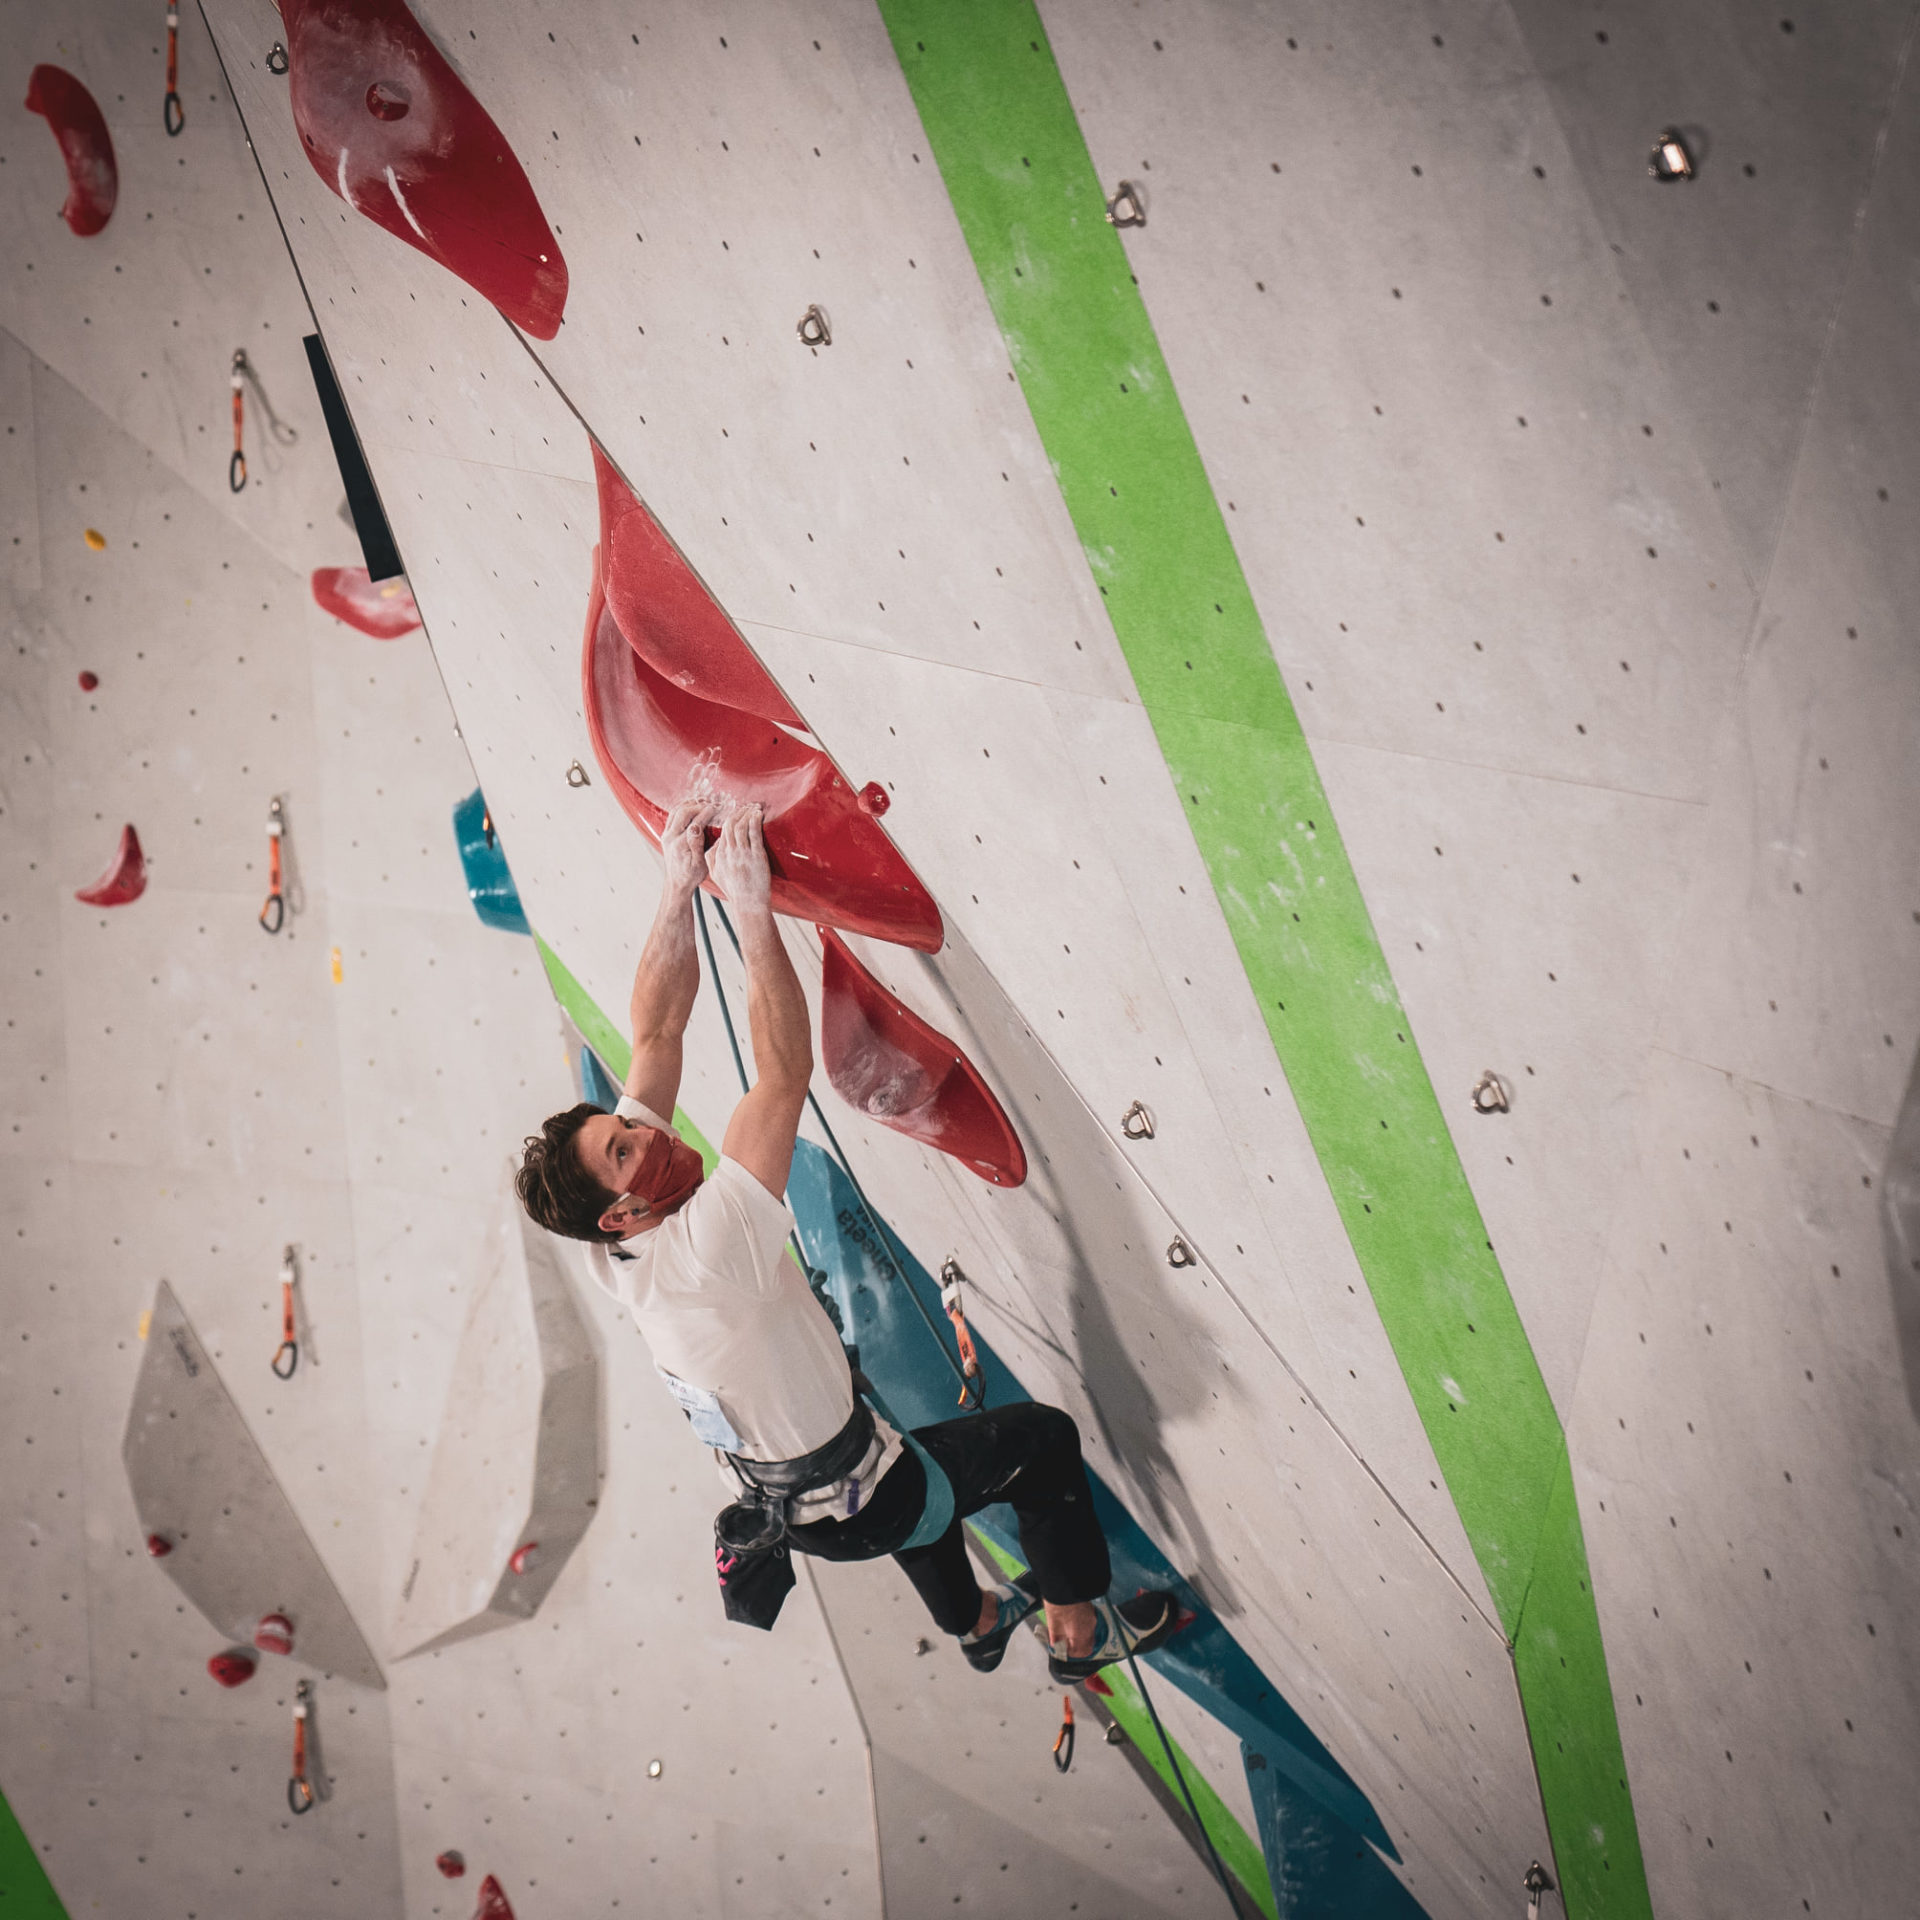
(124, 880)
(493, 1903)
(234, 1668)
(159, 1545)
(657, 743)
(274, 1634)
(452, 1863)
(392, 129)
(524, 1556)
(93, 179)
(382, 610)
(88, 680)
(886, 1062)
(667, 615)
(873, 800)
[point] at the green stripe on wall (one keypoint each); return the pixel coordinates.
(1017, 169)
(25, 1891)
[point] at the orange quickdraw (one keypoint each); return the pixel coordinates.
(273, 914)
(175, 114)
(300, 1793)
(287, 1354)
(973, 1382)
(237, 466)
(1063, 1740)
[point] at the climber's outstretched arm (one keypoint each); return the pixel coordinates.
(668, 977)
(761, 1133)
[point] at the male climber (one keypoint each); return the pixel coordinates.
(747, 1349)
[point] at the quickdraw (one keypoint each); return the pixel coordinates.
(973, 1382)
(287, 1355)
(273, 913)
(174, 113)
(300, 1793)
(237, 466)
(1063, 1740)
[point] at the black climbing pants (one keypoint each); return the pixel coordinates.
(1027, 1455)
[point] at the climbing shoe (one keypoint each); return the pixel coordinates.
(985, 1651)
(1141, 1624)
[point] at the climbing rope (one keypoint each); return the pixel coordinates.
(873, 1219)
(1179, 1773)
(287, 1354)
(1063, 1740)
(174, 113)
(273, 914)
(300, 1793)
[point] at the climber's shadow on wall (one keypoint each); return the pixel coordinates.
(1082, 1279)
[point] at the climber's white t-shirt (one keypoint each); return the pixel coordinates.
(735, 1330)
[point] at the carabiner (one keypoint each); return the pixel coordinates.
(973, 1381)
(289, 1347)
(174, 113)
(273, 915)
(237, 466)
(300, 1793)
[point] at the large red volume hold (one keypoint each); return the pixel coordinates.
(93, 180)
(392, 129)
(658, 744)
(886, 1062)
(383, 612)
(669, 619)
(125, 879)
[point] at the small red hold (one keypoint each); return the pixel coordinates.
(382, 610)
(124, 880)
(452, 1863)
(88, 680)
(1094, 1684)
(93, 178)
(523, 1557)
(159, 1545)
(234, 1668)
(493, 1903)
(274, 1634)
(873, 799)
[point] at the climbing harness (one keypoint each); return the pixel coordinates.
(237, 466)
(1063, 1740)
(973, 1382)
(273, 913)
(287, 1355)
(174, 113)
(300, 1793)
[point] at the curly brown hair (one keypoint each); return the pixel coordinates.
(555, 1187)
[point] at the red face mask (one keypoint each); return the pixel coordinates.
(667, 1175)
